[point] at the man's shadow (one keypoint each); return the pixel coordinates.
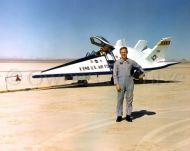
(141, 113)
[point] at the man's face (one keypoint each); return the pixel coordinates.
(123, 53)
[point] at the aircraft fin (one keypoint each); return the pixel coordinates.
(158, 52)
(141, 45)
(120, 43)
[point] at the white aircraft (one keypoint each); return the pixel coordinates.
(101, 62)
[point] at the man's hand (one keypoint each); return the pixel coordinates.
(141, 76)
(118, 87)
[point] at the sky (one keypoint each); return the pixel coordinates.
(57, 29)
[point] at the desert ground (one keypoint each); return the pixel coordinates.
(56, 115)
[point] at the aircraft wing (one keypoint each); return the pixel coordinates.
(90, 65)
(159, 65)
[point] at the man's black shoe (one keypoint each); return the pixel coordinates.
(128, 118)
(119, 119)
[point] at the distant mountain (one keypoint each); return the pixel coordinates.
(180, 60)
(35, 59)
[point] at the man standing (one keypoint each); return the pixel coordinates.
(124, 83)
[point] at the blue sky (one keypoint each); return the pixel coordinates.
(61, 28)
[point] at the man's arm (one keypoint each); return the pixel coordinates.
(135, 64)
(115, 77)
(115, 73)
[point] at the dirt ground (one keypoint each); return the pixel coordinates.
(69, 118)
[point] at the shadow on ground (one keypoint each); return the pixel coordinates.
(108, 83)
(98, 84)
(153, 81)
(141, 113)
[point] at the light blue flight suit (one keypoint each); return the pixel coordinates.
(122, 76)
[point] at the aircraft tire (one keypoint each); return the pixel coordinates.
(83, 83)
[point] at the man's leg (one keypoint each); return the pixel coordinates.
(129, 102)
(120, 97)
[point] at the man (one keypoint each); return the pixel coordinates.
(124, 83)
(103, 51)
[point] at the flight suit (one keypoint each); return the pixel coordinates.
(122, 76)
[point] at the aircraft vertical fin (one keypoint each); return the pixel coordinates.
(141, 45)
(158, 52)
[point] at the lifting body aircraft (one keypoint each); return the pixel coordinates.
(101, 62)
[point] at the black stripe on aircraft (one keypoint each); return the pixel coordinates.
(71, 74)
(156, 68)
(73, 62)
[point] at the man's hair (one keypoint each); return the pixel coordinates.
(123, 48)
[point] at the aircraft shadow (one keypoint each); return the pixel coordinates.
(107, 83)
(75, 85)
(141, 113)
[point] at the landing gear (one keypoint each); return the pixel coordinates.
(83, 83)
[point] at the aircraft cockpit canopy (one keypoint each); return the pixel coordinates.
(101, 42)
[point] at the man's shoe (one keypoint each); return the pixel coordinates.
(119, 119)
(128, 118)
